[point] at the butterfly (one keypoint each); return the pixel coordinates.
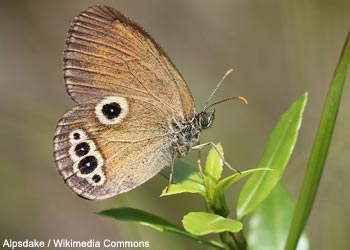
(135, 113)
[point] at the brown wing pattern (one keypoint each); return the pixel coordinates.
(106, 53)
(128, 153)
(108, 61)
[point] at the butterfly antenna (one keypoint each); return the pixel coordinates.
(216, 88)
(241, 98)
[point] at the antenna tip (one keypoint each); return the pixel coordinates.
(227, 73)
(243, 99)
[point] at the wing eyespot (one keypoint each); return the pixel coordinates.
(111, 110)
(88, 164)
(82, 149)
(87, 160)
(96, 178)
(77, 136)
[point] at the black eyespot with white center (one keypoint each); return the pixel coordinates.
(111, 110)
(88, 164)
(82, 149)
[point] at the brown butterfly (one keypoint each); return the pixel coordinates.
(135, 112)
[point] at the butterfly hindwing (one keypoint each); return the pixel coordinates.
(99, 159)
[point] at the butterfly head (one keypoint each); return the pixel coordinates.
(205, 119)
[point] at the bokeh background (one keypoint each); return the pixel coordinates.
(278, 49)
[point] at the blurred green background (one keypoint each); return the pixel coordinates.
(278, 49)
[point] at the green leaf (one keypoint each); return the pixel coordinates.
(157, 223)
(225, 183)
(213, 170)
(201, 223)
(186, 179)
(320, 148)
(275, 157)
(131, 214)
(218, 204)
(269, 224)
(213, 165)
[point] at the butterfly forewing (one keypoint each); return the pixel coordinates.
(108, 53)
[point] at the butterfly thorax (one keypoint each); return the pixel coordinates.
(187, 134)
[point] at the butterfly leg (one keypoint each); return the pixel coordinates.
(200, 146)
(199, 164)
(171, 172)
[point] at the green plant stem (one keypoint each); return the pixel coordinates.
(319, 151)
(219, 207)
(228, 241)
(240, 240)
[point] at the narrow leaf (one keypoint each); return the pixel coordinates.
(276, 155)
(320, 149)
(201, 223)
(157, 223)
(269, 224)
(213, 170)
(218, 204)
(225, 183)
